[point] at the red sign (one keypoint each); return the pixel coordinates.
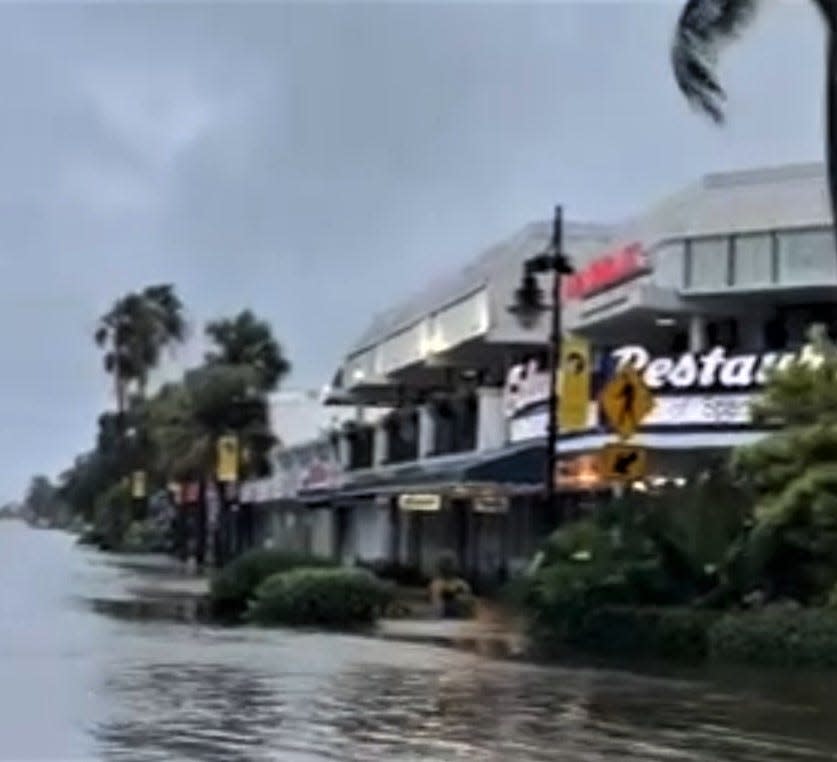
(606, 271)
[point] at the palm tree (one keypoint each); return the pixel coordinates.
(133, 334)
(186, 419)
(705, 25)
(247, 341)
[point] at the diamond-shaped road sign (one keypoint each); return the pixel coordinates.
(623, 462)
(626, 402)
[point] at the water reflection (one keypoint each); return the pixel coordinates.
(182, 711)
(458, 707)
(91, 671)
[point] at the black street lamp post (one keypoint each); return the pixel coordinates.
(528, 305)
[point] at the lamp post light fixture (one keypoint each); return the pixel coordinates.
(528, 306)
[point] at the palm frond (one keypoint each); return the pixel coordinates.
(704, 26)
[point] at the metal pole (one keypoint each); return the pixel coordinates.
(553, 427)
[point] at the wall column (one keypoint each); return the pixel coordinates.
(427, 431)
(697, 333)
(380, 445)
(491, 423)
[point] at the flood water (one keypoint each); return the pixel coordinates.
(77, 683)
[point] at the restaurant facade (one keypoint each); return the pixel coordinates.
(702, 294)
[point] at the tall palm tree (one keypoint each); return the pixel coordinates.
(244, 340)
(134, 333)
(705, 25)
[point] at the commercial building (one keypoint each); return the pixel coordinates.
(703, 293)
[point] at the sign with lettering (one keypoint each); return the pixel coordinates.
(713, 369)
(415, 502)
(606, 271)
(526, 384)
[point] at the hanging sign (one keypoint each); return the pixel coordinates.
(574, 384)
(415, 502)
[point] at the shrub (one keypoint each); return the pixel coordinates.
(234, 585)
(327, 597)
(672, 633)
(778, 635)
(144, 537)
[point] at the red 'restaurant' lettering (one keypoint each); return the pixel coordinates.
(605, 272)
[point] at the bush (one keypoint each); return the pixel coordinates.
(779, 635)
(671, 633)
(326, 597)
(234, 585)
(144, 537)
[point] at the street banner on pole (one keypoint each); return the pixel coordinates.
(227, 462)
(574, 384)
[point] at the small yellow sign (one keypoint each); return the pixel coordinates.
(574, 384)
(623, 462)
(138, 485)
(227, 462)
(626, 401)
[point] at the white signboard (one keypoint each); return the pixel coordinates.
(674, 410)
(419, 502)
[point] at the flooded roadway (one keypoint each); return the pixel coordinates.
(79, 684)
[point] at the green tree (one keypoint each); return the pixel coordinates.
(792, 548)
(133, 334)
(244, 340)
(186, 420)
(705, 25)
(42, 502)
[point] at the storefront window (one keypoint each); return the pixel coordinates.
(807, 256)
(753, 260)
(709, 263)
(669, 265)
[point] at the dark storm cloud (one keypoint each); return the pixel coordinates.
(317, 162)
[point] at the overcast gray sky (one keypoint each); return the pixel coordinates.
(317, 162)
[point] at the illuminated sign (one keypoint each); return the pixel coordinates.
(606, 271)
(713, 369)
(413, 502)
(526, 385)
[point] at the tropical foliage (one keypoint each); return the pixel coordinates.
(233, 586)
(170, 433)
(759, 531)
(706, 25)
(324, 597)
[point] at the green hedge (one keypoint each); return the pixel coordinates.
(235, 584)
(325, 597)
(672, 633)
(779, 635)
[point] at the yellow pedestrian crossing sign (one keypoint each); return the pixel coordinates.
(626, 401)
(623, 462)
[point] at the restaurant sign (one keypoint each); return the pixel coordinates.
(606, 271)
(711, 389)
(711, 370)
